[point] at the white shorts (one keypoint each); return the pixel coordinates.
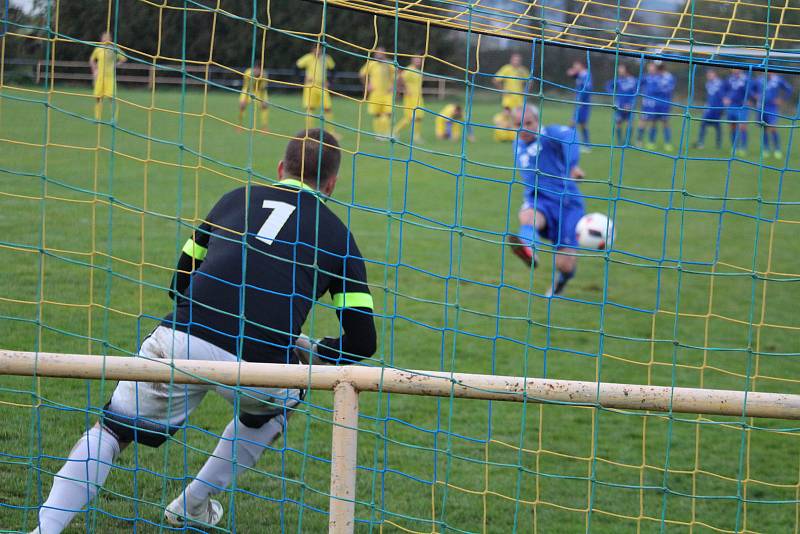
(157, 409)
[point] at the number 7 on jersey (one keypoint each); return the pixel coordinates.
(281, 211)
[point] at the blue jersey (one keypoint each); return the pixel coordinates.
(658, 89)
(716, 90)
(770, 92)
(740, 89)
(546, 163)
(624, 91)
(583, 86)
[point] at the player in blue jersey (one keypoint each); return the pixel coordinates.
(715, 93)
(583, 98)
(623, 88)
(771, 92)
(547, 160)
(657, 88)
(739, 94)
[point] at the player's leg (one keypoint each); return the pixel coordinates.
(244, 100)
(583, 124)
(652, 131)
(524, 242)
(416, 128)
(776, 141)
(667, 131)
(701, 136)
(137, 411)
(262, 418)
(263, 114)
(405, 121)
(643, 120)
(566, 242)
(98, 90)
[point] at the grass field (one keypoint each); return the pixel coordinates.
(698, 291)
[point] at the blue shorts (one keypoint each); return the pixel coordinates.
(738, 114)
(561, 216)
(712, 114)
(770, 116)
(622, 115)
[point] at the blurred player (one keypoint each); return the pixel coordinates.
(715, 94)
(771, 93)
(103, 62)
(411, 83)
(547, 161)
(623, 88)
(505, 130)
(512, 79)
(377, 75)
(254, 89)
(657, 88)
(316, 97)
(739, 94)
(583, 97)
(449, 124)
(293, 250)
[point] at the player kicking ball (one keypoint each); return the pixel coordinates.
(293, 250)
(547, 160)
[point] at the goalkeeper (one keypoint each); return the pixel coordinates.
(103, 62)
(254, 88)
(293, 250)
(547, 160)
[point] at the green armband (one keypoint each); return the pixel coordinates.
(194, 250)
(352, 300)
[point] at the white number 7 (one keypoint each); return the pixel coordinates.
(281, 211)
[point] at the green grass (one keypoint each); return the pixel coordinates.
(698, 291)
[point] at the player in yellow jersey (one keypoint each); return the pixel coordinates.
(377, 75)
(445, 126)
(504, 121)
(316, 96)
(512, 78)
(103, 62)
(254, 87)
(411, 85)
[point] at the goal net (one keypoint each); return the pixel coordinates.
(696, 288)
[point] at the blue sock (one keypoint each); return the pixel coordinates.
(743, 137)
(652, 134)
(702, 137)
(527, 233)
(640, 133)
(776, 140)
(733, 138)
(585, 134)
(667, 134)
(765, 139)
(718, 129)
(563, 278)
(619, 133)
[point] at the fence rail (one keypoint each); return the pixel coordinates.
(348, 381)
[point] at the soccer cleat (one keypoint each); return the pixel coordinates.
(741, 152)
(668, 147)
(650, 146)
(176, 515)
(523, 251)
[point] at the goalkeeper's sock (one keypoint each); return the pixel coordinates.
(76, 484)
(98, 110)
(263, 118)
(239, 443)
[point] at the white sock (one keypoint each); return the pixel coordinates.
(217, 473)
(76, 484)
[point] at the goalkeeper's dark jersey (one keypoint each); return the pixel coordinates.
(261, 258)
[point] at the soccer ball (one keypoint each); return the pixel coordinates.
(595, 231)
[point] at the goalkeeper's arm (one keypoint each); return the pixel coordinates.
(358, 340)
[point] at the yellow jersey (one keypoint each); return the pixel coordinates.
(514, 79)
(379, 75)
(106, 59)
(412, 80)
(251, 85)
(448, 111)
(316, 67)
